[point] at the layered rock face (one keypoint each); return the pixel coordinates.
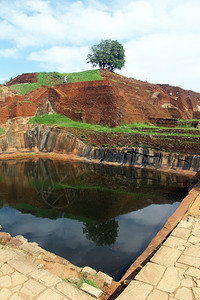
(28, 137)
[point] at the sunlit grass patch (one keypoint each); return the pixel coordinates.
(54, 78)
(1, 131)
(142, 128)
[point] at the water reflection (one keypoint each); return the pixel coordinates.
(94, 215)
(102, 234)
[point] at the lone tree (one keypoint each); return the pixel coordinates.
(107, 54)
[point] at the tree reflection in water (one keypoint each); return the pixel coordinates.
(103, 234)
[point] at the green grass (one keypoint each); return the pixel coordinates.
(1, 131)
(63, 121)
(54, 78)
(187, 124)
(79, 282)
(1, 90)
(84, 76)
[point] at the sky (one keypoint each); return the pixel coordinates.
(161, 38)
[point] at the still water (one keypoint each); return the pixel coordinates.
(92, 215)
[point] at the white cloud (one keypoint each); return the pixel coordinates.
(9, 52)
(158, 36)
(164, 58)
(62, 59)
(38, 6)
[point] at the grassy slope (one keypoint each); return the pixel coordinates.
(54, 78)
(63, 121)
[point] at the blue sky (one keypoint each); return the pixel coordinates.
(160, 38)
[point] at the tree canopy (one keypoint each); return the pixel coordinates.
(108, 54)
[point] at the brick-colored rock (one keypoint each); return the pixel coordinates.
(4, 238)
(14, 243)
(151, 273)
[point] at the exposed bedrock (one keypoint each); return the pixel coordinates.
(28, 137)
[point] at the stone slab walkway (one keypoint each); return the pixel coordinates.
(174, 271)
(21, 279)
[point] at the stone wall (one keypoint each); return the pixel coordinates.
(53, 139)
(196, 115)
(164, 122)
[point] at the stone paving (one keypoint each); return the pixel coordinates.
(174, 271)
(21, 279)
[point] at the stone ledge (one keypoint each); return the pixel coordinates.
(91, 290)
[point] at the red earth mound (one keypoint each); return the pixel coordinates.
(112, 101)
(24, 78)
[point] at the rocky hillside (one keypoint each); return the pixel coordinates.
(112, 101)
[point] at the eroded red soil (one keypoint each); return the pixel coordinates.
(112, 101)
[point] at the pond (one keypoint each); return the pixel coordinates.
(91, 214)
